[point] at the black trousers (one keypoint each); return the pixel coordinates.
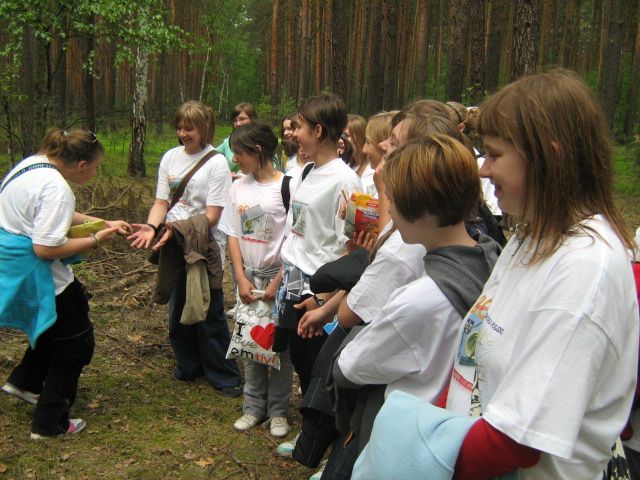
(53, 368)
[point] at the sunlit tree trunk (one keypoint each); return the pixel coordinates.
(136, 166)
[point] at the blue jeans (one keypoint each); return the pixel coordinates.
(200, 349)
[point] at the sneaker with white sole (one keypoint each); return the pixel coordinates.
(318, 474)
(76, 425)
(245, 422)
(24, 395)
(285, 449)
(279, 427)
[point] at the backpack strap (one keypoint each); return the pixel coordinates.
(26, 169)
(285, 191)
(306, 171)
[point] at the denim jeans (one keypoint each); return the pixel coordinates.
(200, 349)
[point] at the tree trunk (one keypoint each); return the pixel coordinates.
(609, 79)
(303, 48)
(390, 38)
(477, 41)
(441, 22)
(634, 86)
(571, 35)
(495, 24)
(458, 25)
(548, 11)
(136, 166)
(374, 64)
(525, 39)
(272, 72)
(88, 95)
(422, 50)
(338, 41)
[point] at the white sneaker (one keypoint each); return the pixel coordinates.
(76, 425)
(285, 449)
(318, 474)
(24, 395)
(245, 422)
(279, 427)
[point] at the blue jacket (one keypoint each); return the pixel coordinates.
(27, 296)
(413, 440)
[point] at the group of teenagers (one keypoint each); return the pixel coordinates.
(435, 349)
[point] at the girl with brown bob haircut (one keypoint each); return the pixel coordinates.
(440, 178)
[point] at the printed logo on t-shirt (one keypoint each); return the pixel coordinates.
(257, 225)
(471, 332)
(298, 210)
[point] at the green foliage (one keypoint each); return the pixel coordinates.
(264, 108)
(286, 106)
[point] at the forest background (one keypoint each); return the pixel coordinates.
(121, 67)
(126, 64)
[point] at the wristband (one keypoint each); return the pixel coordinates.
(95, 240)
(155, 228)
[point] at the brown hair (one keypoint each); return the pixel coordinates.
(357, 126)
(458, 114)
(71, 147)
(422, 107)
(199, 117)
(433, 174)
(290, 147)
(328, 111)
(556, 124)
(244, 107)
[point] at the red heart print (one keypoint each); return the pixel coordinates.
(264, 336)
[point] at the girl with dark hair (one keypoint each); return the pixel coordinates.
(255, 222)
(185, 220)
(40, 294)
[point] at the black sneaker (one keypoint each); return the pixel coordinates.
(231, 392)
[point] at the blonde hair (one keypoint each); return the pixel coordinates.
(199, 117)
(556, 124)
(357, 125)
(435, 174)
(379, 128)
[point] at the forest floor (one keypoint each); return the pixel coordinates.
(141, 423)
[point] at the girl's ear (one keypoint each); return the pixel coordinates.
(317, 130)
(81, 165)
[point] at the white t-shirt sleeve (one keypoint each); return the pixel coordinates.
(380, 354)
(229, 220)
(162, 190)
(53, 216)
(218, 182)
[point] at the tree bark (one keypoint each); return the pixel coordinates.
(422, 48)
(458, 25)
(272, 72)
(525, 39)
(136, 166)
(495, 24)
(634, 86)
(477, 41)
(609, 78)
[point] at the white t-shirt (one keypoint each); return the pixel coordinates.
(556, 346)
(209, 186)
(317, 232)
(410, 347)
(292, 162)
(396, 264)
(488, 192)
(256, 216)
(368, 185)
(40, 204)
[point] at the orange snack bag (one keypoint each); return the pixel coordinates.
(362, 215)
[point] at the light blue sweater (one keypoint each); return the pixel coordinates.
(27, 296)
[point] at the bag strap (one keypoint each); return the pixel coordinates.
(187, 177)
(285, 191)
(25, 170)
